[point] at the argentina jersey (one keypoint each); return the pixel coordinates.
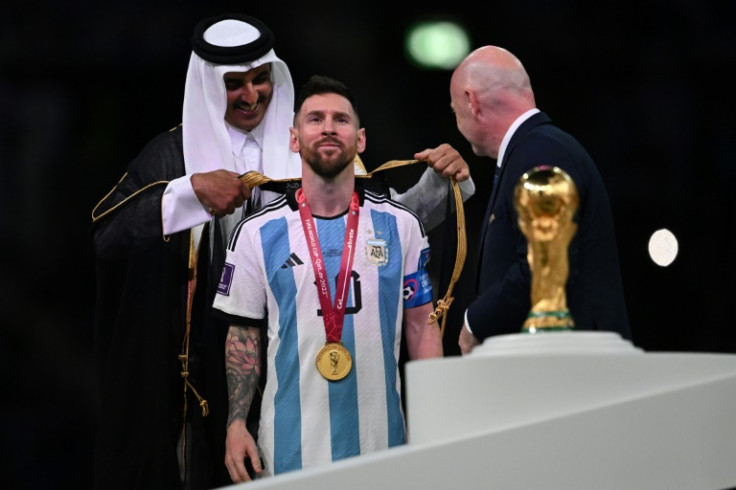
(307, 420)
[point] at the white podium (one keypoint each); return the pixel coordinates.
(558, 410)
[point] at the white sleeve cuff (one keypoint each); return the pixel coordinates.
(467, 325)
(180, 208)
(467, 188)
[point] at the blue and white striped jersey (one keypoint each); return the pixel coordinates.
(307, 420)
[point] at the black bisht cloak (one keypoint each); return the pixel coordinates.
(140, 325)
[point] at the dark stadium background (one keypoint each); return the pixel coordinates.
(646, 86)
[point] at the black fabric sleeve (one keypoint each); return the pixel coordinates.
(130, 216)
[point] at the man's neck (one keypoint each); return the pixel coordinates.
(327, 198)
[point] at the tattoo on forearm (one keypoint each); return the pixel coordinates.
(243, 369)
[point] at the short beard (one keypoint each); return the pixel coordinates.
(328, 170)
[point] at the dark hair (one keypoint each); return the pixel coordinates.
(320, 84)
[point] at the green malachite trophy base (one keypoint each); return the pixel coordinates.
(548, 321)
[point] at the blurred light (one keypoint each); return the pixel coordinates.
(437, 45)
(663, 247)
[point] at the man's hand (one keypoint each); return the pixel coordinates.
(466, 341)
(239, 445)
(220, 191)
(446, 161)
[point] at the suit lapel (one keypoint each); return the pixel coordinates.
(519, 135)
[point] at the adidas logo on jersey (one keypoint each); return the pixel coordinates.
(292, 261)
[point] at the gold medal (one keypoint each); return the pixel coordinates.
(334, 361)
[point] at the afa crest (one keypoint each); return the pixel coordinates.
(376, 251)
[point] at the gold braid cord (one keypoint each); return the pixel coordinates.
(444, 303)
(184, 356)
(96, 216)
(252, 179)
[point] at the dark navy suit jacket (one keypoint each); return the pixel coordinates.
(595, 295)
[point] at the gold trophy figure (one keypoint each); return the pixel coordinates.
(546, 200)
(334, 358)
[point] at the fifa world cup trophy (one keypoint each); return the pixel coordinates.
(546, 200)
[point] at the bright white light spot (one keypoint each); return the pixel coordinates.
(437, 44)
(663, 247)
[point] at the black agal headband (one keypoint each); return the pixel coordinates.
(231, 39)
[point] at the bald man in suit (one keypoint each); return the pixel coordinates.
(495, 109)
